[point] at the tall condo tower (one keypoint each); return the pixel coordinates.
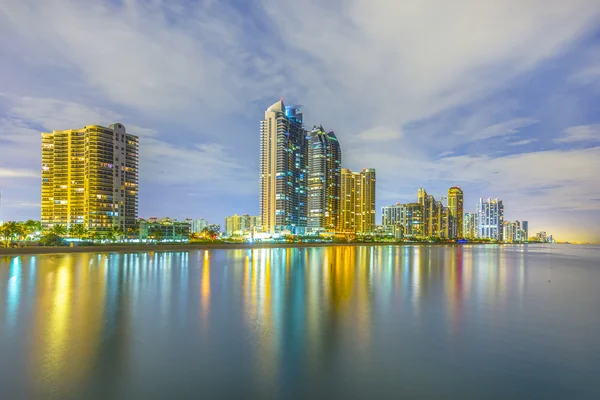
(490, 219)
(90, 177)
(324, 180)
(455, 212)
(357, 213)
(283, 170)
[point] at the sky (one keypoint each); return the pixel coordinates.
(498, 97)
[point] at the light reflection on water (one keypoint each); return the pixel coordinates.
(472, 321)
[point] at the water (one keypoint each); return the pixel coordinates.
(352, 322)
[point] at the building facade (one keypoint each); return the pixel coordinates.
(490, 219)
(324, 180)
(283, 170)
(241, 224)
(90, 177)
(197, 225)
(407, 217)
(524, 232)
(357, 212)
(164, 229)
(510, 231)
(455, 212)
(469, 225)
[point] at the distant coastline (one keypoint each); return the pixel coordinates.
(145, 248)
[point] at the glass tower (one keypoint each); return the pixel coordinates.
(283, 170)
(324, 180)
(490, 219)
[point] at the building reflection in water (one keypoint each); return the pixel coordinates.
(93, 318)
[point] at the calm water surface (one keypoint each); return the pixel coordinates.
(352, 322)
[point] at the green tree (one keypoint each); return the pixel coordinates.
(33, 228)
(8, 231)
(51, 239)
(78, 231)
(116, 233)
(59, 230)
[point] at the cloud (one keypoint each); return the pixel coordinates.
(581, 133)
(207, 165)
(380, 134)
(504, 128)
(18, 173)
(414, 60)
(522, 142)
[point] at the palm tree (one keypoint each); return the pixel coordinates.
(7, 232)
(117, 233)
(11, 230)
(93, 236)
(78, 231)
(33, 228)
(59, 230)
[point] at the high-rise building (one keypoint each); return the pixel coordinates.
(324, 180)
(455, 212)
(357, 212)
(510, 231)
(283, 170)
(490, 219)
(241, 224)
(198, 225)
(524, 231)
(427, 203)
(415, 223)
(470, 226)
(90, 177)
(409, 217)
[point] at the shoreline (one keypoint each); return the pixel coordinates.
(145, 248)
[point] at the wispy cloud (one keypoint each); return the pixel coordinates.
(18, 173)
(522, 142)
(581, 133)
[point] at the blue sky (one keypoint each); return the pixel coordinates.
(498, 97)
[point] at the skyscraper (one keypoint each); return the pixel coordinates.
(490, 219)
(427, 203)
(524, 231)
(470, 226)
(90, 177)
(324, 180)
(510, 231)
(240, 224)
(455, 212)
(283, 170)
(357, 201)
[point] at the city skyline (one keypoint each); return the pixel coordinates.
(504, 111)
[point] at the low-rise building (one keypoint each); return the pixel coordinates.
(164, 230)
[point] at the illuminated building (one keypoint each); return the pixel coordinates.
(455, 212)
(240, 224)
(166, 229)
(490, 219)
(541, 237)
(324, 180)
(469, 226)
(524, 233)
(414, 226)
(427, 203)
(214, 227)
(198, 225)
(406, 218)
(509, 232)
(357, 212)
(90, 177)
(283, 170)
